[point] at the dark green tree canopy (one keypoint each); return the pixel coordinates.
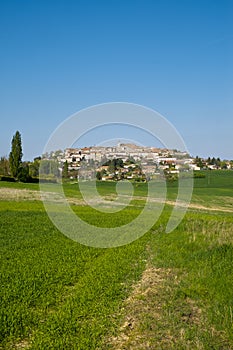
(16, 155)
(65, 171)
(4, 166)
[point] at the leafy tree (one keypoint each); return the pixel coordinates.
(23, 174)
(34, 167)
(198, 161)
(98, 175)
(65, 174)
(213, 161)
(16, 155)
(45, 167)
(111, 168)
(119, 163)
(218, 162)
(57, 154)
(45, 155)
(4, 166)
(223, 164)
(49, 167)
(114, 164)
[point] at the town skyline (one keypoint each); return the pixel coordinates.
(123, 151)
(126, 161)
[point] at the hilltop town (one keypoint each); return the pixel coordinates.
(116, 162)
(128, 161)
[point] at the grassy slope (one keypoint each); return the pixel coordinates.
(57, 294)
(202, 251)
(54, 291)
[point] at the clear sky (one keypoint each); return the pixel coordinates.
(174, 56)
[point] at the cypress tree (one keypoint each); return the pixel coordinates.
(16, 155)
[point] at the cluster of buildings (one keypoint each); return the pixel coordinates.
(136, 162)
(123, 151)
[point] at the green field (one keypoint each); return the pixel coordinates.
(163, 291)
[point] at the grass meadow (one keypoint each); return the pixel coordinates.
(162, 291)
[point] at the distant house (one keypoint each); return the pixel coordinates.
(194, 167)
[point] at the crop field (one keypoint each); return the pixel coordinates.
(162, 291)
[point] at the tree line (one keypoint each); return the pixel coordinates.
(15, 169)
(217, 162)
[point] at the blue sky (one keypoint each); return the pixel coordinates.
(174, 56)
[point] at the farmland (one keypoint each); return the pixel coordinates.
(161, 291)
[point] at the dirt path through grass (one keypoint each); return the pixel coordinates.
(154, 318)
(25, 194)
